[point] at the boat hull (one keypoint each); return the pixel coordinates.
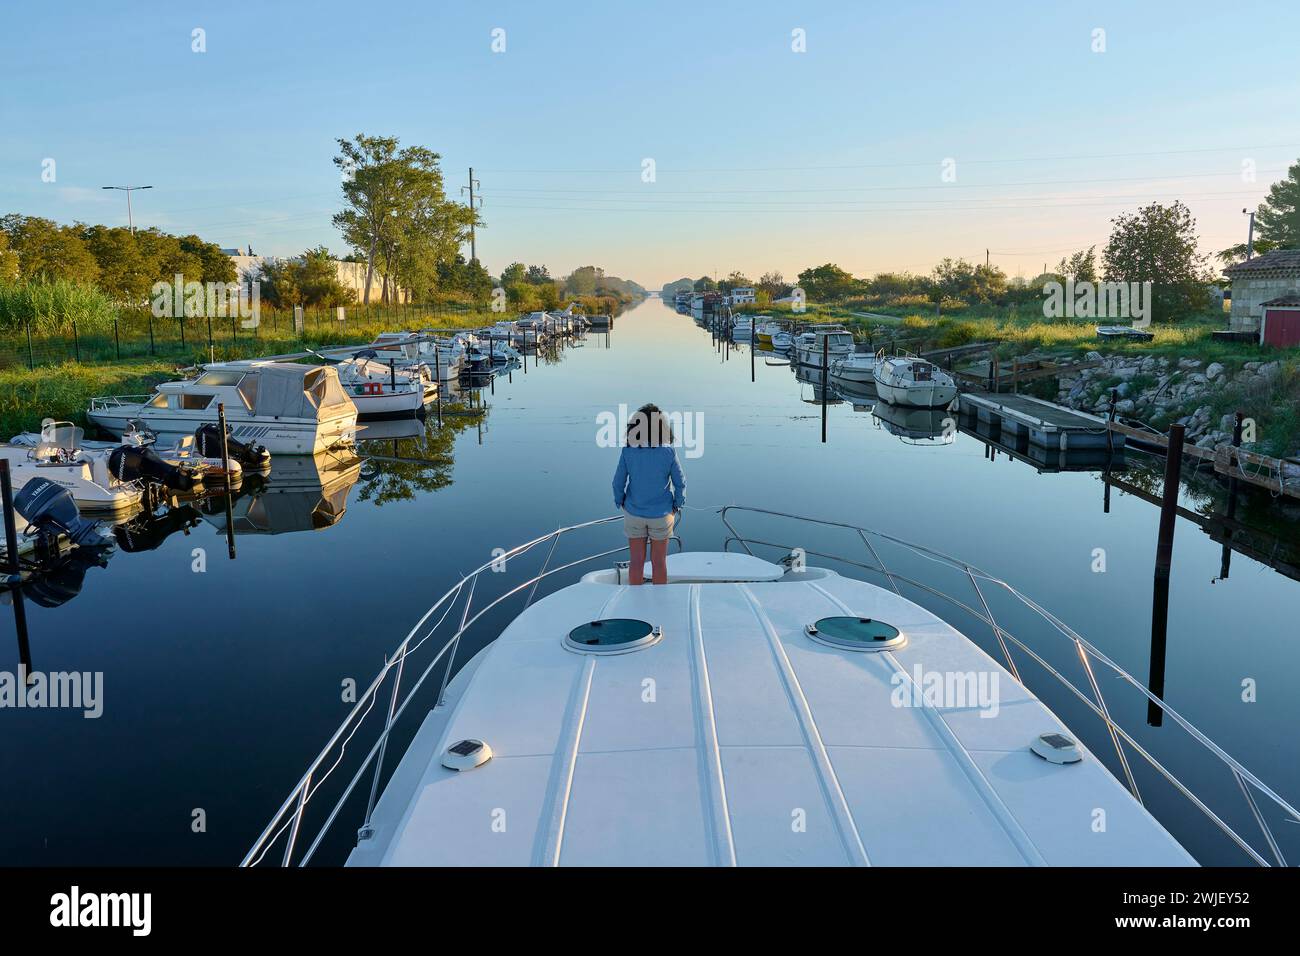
(285, 436)
(918, 395)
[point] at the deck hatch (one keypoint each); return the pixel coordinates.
(614, 635)
(856, 633)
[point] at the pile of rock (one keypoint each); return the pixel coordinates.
(1178, 390)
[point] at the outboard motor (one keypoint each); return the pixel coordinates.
(50, 508)
(58, 585)
(148, 532)
(132, 462)
(207, 438)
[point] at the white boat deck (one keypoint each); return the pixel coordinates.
(737, 739)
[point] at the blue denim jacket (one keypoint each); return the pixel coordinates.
(642, 481)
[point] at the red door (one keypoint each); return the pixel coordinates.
(1282, 327)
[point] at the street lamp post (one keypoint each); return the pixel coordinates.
(128, 190)
(1250, 236)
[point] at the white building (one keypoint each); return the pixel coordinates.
(742, 295)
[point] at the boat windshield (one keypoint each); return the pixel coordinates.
(219, 376)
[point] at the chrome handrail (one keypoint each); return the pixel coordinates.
(289, 817)
(1086, 652)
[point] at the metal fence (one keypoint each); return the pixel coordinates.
(137, 333)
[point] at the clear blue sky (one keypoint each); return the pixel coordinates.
(766, 158)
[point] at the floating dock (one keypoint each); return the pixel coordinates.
(1025, 421)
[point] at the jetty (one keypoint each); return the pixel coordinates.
(1023, 421)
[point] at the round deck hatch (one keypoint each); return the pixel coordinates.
(856, 633)
(614, 635)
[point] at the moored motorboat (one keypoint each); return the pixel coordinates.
(289, 409)
(823, 344)
(908, 380)
(854, 367)
(104, 478)
(379, 390)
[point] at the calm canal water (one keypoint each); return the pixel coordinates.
(220, 686)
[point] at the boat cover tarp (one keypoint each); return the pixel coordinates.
(285, 390)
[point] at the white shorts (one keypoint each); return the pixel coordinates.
(656, 529)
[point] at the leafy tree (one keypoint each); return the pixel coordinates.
(214, 264)
(827, 283)
(1278, 216)
(705, 284)
(538, 275)
(1081, 267)
(49, 251)
(311, 279)
(514, 273)
(398, 213)
(124, 273)
(774, 284)
(1157, 244)
(736, 280)
(8, 260)
(1234, 254)
(583, 280)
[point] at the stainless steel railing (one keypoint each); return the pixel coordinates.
(287, 822)
(1087, 653)
(288, 819)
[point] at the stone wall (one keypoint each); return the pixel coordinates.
(1248, 293)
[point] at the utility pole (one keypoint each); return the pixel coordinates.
(473, 250)
(130, 220)
(986, 260)
(1250, 236)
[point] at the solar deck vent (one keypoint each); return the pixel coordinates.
(466, 754)
(856, 634)
(1056, 748)
(614, 635)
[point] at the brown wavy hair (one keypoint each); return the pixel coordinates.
(648, 427)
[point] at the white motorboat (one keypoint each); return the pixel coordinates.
(742, 327)
(109, 478)
(184, 452)
(854, 367)
(691, 723)
(908, 380)
(287, 408)
(425, 347)
(379, 389)
(780, 340)
(823, 344)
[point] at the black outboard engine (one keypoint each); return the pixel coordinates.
(56, 586)
(207, 439)
(50, 508)
(133, 462)
(148, 532)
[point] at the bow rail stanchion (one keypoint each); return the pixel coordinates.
(290, 821)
